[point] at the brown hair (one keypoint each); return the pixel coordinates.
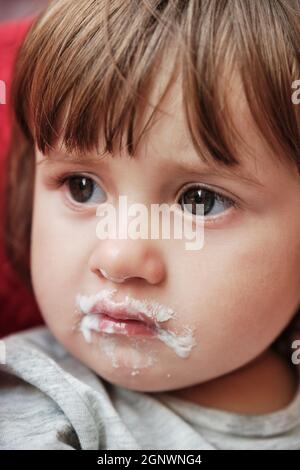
(86, 68)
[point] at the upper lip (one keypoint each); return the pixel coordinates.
(122, 313)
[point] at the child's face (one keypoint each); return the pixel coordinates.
(235, 294)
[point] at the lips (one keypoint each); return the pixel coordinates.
(131, 317)
(102, 313)
(122, 314)
(113, 319)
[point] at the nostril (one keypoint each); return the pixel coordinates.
(110, 278)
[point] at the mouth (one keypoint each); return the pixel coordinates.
(101, 314)
(102, 323)
(123, 315)
(117, 320)
(131, 317)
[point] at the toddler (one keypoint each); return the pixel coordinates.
(148, 344)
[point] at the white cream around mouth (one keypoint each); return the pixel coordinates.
(181, 344)
(159, 313)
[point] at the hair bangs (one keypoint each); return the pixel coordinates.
(93, 79)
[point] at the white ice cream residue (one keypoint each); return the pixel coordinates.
(181, 344)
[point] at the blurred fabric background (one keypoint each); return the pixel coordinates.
(13, 9)
(18, 308)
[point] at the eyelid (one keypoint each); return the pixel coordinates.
(83, 165)
(58, 182)
(213, 220)
(62, 177)
(234, 199)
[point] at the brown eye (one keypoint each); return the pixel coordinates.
(210, 200)
(84, 189)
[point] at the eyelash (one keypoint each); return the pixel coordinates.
(219, 196)
(57, 181)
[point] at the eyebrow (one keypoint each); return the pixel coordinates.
(241, 174)
(71, 159)
(191, 166)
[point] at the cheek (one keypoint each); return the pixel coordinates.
(58, 259)
(241, 295)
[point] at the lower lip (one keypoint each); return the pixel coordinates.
(108, 324)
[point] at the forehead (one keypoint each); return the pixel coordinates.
(169, 139)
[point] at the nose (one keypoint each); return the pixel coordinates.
(119, 260)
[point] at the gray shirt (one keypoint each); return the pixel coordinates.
(49, 400)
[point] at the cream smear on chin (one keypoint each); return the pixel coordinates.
(180, 344)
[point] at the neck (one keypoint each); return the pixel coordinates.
(266, 384)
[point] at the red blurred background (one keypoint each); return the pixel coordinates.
(18, 309)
